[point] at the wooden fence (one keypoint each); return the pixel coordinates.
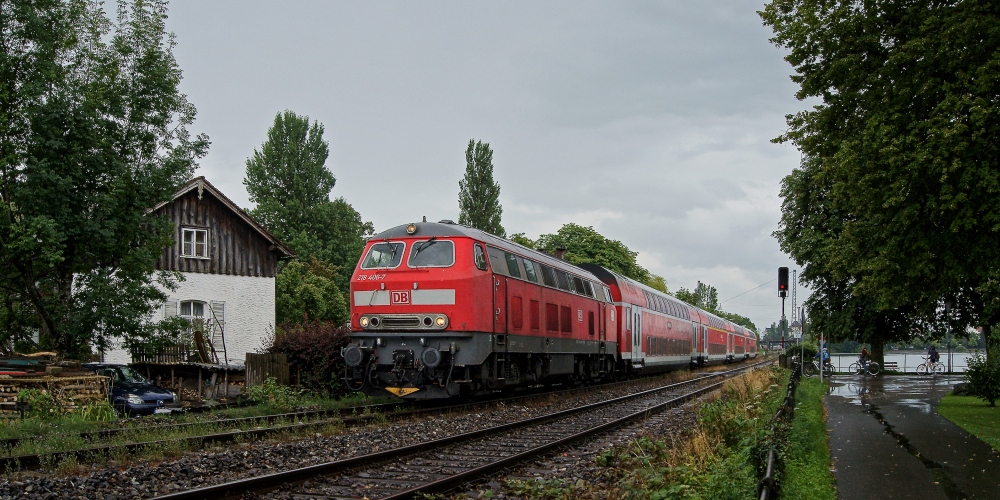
(262, 366)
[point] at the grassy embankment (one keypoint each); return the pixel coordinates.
(724, 457)
(974, 415)
(807, 453)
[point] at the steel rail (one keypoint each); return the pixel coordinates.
(269, 482)
(34, 461)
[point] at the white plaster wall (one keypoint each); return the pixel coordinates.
(249, 312)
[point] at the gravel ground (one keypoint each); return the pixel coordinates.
(143, 479)
(576, 464)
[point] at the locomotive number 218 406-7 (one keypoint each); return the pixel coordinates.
(370, 277)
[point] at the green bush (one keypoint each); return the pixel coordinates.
(43, 405)
(279, 397)
(983, 376)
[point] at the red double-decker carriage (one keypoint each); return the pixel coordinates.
(441, 309)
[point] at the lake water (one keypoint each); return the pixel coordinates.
(907, 360)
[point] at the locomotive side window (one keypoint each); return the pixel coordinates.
(549, 276)
(607, 295)
(383, 255)
(529, 270)
(497, 260)
(578, 285)
(562, 279)
(480, 257)
(589, 288)
(512, 265)
(432, 253)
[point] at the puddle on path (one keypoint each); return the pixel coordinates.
(913, 393)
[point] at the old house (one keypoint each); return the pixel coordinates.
(229, 263)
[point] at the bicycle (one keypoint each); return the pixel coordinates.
(871, 368)
(812, 369)
(929, 366)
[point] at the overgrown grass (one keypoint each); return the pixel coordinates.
(52, 433)
(721, 459)
(973, 415)
(806, 455)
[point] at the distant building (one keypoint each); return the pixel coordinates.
(229, 262)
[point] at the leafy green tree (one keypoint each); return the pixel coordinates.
(704, 296)
(289, 182)
(658, 282)
(522, 240)
(308, 291)
(584, 244)
(93, 132)
(901, 158)
(478, 194)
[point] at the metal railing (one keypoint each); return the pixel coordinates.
(768, 486)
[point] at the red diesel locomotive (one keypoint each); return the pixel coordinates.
(441, 309)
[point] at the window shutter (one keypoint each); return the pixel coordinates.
(169, 309)
(219, 312)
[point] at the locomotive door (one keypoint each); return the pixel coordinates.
(499, 304)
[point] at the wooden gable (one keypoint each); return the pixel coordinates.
(236, 244)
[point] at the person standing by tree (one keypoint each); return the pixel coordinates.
(478, 194)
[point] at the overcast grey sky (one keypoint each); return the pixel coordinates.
(650, 121)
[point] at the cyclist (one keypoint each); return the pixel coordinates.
(826, 358)
(864, 358)
(933, 355)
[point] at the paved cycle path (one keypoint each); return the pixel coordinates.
(888, 442)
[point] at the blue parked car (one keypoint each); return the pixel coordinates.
(131, 392)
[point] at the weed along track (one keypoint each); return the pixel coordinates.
(436, 465)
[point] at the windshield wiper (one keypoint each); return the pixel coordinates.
(393, 255)
(423, 245)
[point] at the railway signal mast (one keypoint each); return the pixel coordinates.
(782, 292)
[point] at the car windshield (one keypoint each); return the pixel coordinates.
(382, 255)
(123, 374)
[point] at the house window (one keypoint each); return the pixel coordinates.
(194, 243)
(192, 309)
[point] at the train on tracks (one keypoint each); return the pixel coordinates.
(440, 310)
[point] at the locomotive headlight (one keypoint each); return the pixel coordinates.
(440, 321)
(363, 321)
(411, 228)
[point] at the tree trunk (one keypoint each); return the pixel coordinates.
(988, 341)
(878, 350)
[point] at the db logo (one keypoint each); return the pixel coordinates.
(399, 297)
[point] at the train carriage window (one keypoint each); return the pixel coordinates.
(589, 288)
(562, 279)
(529, 270)
(578, 286)
(497, 260)
(512, 265)
(549, 276)
(480, 257)
(384, 255)
(432, 253)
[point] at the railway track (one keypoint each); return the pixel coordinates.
(438, 465)
(248, 428)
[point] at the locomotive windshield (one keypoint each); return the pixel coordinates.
(383, 255)
(432, 253)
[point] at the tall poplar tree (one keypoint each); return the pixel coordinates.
(478, 194)
(289, 181)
